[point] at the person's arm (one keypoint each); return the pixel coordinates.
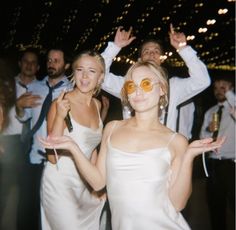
(228, 89)
(230, 96)
(112, 84)
(231, 99)
(105, 107)
(56, 122)
(56, 116)
(95, 175)
(199, 77)
(23, 105)
(180, 186)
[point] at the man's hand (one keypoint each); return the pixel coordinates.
(123, 38)
(26, 100)
(177, 40)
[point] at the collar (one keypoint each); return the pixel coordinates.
(17, 79)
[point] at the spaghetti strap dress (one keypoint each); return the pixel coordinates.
(66, 202)
(137, 189)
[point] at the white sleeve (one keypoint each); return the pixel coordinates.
(112, 83)
(109, 53)
(207, 119)
(186, 119)
(230, 96)
(186, 88)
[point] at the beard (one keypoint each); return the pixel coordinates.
(54, 74)
(220, 97)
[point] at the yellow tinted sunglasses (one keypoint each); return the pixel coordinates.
(146, 85)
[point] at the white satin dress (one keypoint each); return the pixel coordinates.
(137, 185)
(66, 203)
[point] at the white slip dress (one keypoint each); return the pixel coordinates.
(66, 202)
(137, 189)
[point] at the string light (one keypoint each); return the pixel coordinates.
(79, 26)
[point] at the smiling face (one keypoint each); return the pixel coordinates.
(151, 51)
(88, 73)
(144, 86)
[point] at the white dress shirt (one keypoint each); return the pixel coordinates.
(181, 89)
(186, 120)
(227, 128)
(15, 126)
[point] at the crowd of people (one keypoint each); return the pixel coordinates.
(62, 165)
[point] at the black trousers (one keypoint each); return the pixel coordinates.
(220, 191)
(12, 160)
(29, 199)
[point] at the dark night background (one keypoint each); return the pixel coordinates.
(85, 24)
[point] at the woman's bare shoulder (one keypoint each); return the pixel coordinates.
(179, 143)
(113, 123)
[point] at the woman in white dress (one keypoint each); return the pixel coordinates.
(67, 202)
(146, 167)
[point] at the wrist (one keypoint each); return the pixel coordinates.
(73, 148)
(181, 46)
(188, 157)
(115, 46)
(60, 117)
(19, 110)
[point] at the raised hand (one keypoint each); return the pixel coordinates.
(177, 40)
(62, 105)
(123, 38)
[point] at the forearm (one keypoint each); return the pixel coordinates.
(199, 77)
(89, 171)
(109, 53)
(181, 190)
(57, 127)
(112, 84)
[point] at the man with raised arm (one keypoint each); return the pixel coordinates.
(181, 89)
